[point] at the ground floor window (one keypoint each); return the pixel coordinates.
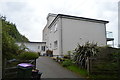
(43, 48)
(55, 44)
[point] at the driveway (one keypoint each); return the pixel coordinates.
(52, 69)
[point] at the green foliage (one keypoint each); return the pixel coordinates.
(66, 56)
(67, 63)
(78, 70)
(9, 48)
(84, 51)
(49, 52)
(28, 56)
(39, 53)
(10, 35)
(11, 30)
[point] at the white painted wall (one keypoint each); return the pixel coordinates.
(35, 47)
(78, 31)
(50, 18)
(54, 35)
(70, 32)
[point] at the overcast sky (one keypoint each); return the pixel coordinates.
(30, 15)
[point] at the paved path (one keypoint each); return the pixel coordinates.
(52, 69)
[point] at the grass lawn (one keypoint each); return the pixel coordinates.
(76, 69)
(83, 73)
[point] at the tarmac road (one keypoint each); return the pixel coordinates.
(52, 69)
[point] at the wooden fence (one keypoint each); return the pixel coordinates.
(101, 66)
(10, 68)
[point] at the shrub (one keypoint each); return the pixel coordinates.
(39, 53)
(49, 53)
(66, 63)
(28, 55)
(66, 56)
(83, 51)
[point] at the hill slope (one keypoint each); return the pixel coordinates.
(11, 30)
(10, 35)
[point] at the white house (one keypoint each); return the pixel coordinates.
(63, 32)
(33, 46)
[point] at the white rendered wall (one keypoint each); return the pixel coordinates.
(77, 31)
(34, 47)
(50, 18)
(55, 36)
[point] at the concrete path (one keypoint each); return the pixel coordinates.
(52, 69)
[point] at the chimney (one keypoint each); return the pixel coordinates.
(50, 18)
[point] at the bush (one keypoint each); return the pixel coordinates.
(82, 52)
(66, 63)
(28, 56)
(39, 53)
(49, 53)
(66, 56)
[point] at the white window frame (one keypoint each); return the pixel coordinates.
(55, 27)
(55, 44)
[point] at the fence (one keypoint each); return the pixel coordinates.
(10, 67)
(107, 62)
(102, 66)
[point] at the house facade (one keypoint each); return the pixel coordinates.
(64, 32)
(33, 46)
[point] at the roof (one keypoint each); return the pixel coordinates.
(78, 18)
(82, 18)
(31, 42)
(37, 42)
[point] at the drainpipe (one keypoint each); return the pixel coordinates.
(61, 38)
(105, 33)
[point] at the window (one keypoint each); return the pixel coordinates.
(55, 44)
(56, 26)
(38, 47)
(43, 48)
(50, 45)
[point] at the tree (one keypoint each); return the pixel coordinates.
(9, 48)
(10, 35)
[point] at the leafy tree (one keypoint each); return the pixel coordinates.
(10, 35)
(9, 48)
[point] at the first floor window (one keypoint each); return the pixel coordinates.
(50, 45)
(56, 26)
(55, 44)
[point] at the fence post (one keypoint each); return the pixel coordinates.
(35, 63)
(88, 65)
(118, 64)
